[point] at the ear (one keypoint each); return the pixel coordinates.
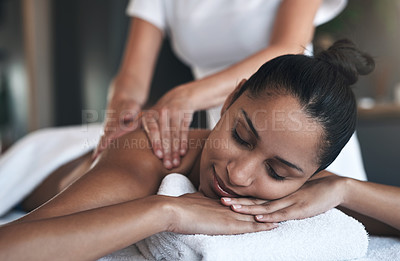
(233, 96)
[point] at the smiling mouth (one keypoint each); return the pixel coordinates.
(220, 188)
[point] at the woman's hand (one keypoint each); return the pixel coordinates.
(313, 198)
(167, 126)
(121, 118)
(197, 214)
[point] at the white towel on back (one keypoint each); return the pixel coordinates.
(329, 236)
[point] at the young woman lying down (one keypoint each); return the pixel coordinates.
(263, 163)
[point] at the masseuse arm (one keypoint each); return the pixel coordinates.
(292, 30)
(129, 89)
(376, 206)
(112, 206)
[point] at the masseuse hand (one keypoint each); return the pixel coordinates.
(121, 118)
(167, 126)
(197, 214)
(313, 198)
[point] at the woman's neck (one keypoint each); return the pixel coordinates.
(194, 174)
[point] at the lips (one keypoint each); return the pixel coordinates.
(221, 189)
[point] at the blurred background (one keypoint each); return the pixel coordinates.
(57, 58)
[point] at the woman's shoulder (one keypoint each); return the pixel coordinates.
(133, 151)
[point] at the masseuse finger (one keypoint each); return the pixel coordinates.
(165, 138)
(175, 139)
(150, 126)
(185, 133)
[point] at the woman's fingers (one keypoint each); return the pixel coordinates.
(291, 212)
(313, 198)
(242, 227)
(197, 214)
(271, 212)
(242, 201)
(265, 208)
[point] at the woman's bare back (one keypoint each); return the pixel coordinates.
(125, 171)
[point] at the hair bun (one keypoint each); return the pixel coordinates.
(350, 61)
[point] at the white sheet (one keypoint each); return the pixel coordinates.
(25, 165)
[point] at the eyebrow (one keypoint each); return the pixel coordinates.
(287, 163)
(250, 123)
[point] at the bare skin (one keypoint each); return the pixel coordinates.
(128, 92)
(135, 173)
(113, 205)
(116, 185)
(57, 181)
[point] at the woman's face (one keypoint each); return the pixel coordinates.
(263, 148)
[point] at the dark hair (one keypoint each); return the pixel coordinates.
(321, 84)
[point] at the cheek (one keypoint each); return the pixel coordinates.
(219, 144)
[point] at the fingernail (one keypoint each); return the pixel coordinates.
(237, 206)
(168, 164)
(226, 199)
(259, 216)
(182, 151)
(175, 162)
(159, 154)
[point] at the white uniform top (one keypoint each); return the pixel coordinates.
(211, 35)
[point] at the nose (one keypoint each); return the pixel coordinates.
(241, 172)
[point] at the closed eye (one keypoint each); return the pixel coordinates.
(273, 174)
(238, 139)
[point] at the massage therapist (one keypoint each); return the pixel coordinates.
(223, 41)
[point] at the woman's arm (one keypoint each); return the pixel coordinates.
(98, 212)
(373, 204)
(112, 206)
(376, 206)
(91, 234)
(85, 235)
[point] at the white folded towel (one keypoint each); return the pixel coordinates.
(329, 236)
(25, 165)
